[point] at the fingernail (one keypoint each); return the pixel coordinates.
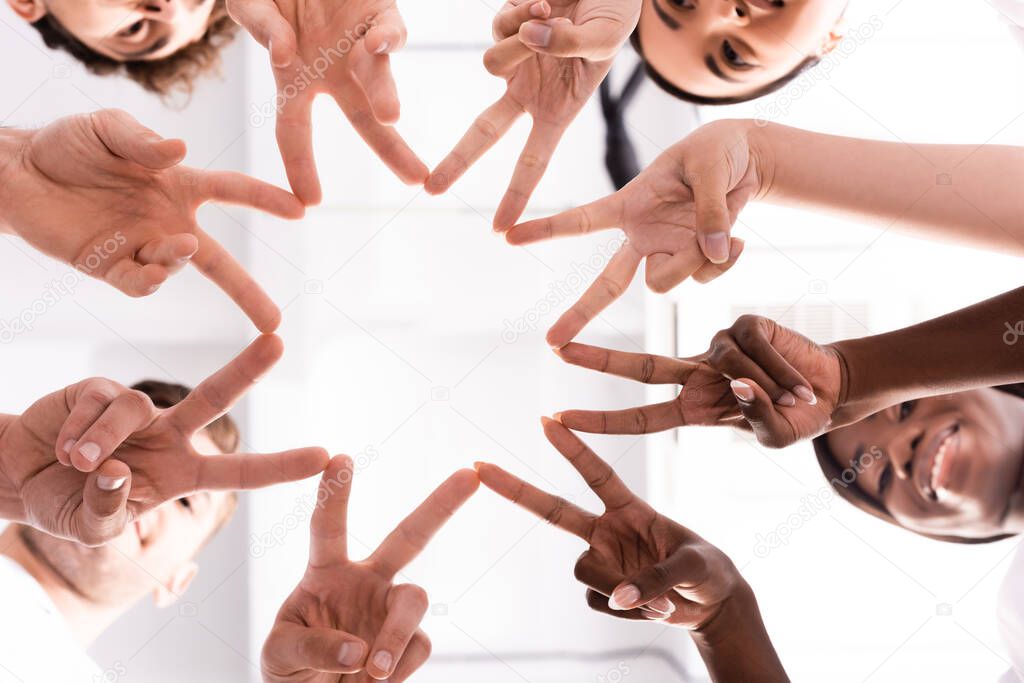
(662, 604)
(787, 399)
(557, 417)
(540, 9)
(349, 654)
(651, 614)
(624, 596)
(89, 451)
(535, 34)
(717, 246)
(806, 394)
(742, 391)
(383, 47)
(68, 445)
(110, 483)
(382, 660)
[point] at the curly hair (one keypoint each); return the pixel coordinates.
(176, 73)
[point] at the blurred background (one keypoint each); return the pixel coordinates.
(415, 343)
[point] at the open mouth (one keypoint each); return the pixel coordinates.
(941, 455)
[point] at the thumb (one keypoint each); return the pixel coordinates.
(104, 512)
(710, 189)
(770, 428)
(127, 138)
(648, 587)
(595, 40)
(295, 648)
(263, 20)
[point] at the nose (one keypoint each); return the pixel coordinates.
(162, 10)
(735, 12)
(902, 444)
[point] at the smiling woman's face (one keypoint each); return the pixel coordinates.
(731, 48)
(130, 30)
(950, 465)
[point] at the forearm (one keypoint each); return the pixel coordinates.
(735, 645)
(11, 508)
(12, 144)
(973, 348)
(968, 193)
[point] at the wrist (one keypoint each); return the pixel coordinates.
(860, 392)
(735, 645)
(760, 137)
(11, 507)
(13, 143)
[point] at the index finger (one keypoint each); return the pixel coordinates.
(554, 510)
(237, 188)
(642, 367)
(385, 141)
(643, 420)
(244, 471)
(598, 474)
(328, 528)
(598, 215)
(221, 268)
(486, 130)
(411, 536)
(218, 393)
(607, 288)
(530, 168)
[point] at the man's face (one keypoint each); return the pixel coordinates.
(153, 555)
(130, 30)
(731, 48)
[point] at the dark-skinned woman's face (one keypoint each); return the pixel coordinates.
(949, 465)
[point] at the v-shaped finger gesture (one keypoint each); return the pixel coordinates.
(347, 620)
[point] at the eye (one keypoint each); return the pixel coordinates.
(884, 480)
(906, 408)
(682, 4)
(133, 30)
(185, 503)
(733, 57)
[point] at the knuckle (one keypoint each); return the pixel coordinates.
(647, 368)
(415, 596)
(555, 514)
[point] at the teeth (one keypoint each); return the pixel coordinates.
(937, 465)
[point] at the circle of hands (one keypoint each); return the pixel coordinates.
(117, 456)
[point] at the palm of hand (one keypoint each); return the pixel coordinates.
(553, 89)
(350, 597)
(627, 541)
(158, 472)
(104, 198)
(659, 214)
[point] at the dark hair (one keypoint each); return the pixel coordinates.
(679, 93)
(223, 431)
(177, 72)
(851, 492)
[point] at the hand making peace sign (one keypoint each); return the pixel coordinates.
(347, 621)
(83, 462)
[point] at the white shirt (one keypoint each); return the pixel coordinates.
(36, 645)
